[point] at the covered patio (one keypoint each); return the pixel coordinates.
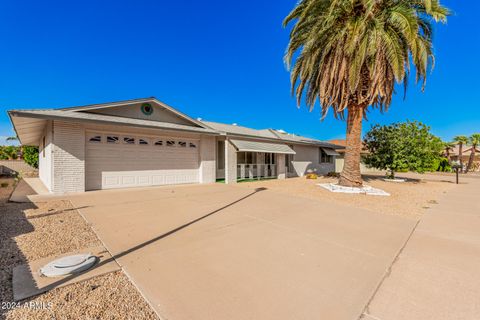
(239, 160)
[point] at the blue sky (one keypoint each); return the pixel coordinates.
(218, 60)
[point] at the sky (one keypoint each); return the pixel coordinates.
(217, 60)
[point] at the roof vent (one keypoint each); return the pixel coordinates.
(281, 131)
(69, 265)
(234, 124)
(199, 119)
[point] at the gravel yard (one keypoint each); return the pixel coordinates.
(32, 231)
(409, 199)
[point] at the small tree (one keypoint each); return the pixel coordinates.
(30, 155)
(402, 146)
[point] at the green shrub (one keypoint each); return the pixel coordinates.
(30, 155)
(444, 165)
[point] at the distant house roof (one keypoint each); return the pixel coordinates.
(466, 150)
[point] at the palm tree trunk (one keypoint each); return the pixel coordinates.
(351, 176)
(470, 160)
(460, 155)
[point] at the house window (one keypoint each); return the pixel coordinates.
(93, 139)
(182, 144)
(43, 147)
(159, 143)
(324, 158)
(129, 140)
(246, 157)
(142, 141)
(220, 155)
(192, 145)
(170, 143)
(112, 139)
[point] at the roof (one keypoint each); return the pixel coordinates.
(29, 124)
(255, 146)
(343, 143)
(269, 134)
(466, 149)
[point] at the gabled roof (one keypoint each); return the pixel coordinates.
(132, 101)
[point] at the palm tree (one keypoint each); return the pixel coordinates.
(449, 146)
(461, 141)
(474, 141)
(350, 53)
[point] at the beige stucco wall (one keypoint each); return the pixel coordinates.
(68, 157)
(134, 111)
(207, 159)
(307, 160)
(339, 162)
(45, 156)
(281, 166)
(230, 162)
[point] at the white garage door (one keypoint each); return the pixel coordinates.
(122, 161)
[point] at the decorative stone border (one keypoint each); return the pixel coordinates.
(367, 190)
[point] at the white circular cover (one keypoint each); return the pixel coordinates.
(68, 265)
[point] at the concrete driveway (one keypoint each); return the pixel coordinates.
(224, 252)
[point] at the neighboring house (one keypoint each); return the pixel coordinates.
(145, 142)
(454, 154)
(340, 159)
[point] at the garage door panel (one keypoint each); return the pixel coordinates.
(118, 165)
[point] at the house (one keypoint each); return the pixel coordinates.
(145, 142)
(454, 155)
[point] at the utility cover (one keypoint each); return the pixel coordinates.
(68, 265)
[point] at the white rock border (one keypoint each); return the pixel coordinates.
(367, 190)
(394, 180)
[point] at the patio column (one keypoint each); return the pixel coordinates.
(230, 162)
(281, 166)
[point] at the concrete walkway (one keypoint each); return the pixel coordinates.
(28, 188)
(437, 275)
(225, 252)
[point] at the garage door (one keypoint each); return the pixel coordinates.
(122, 161)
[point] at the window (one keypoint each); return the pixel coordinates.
(93, 139)
(129, 140)
(170, 143)
(182, 144)
(112, 139)
(269, 158)
(159, 143)
(246, 157)
(43, 147)
(143, 141)
(324, 158)
(220, 155)
(192, 145)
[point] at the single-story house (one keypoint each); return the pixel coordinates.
(145, 142)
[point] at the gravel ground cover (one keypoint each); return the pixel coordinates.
(409, 199)
(33, 231)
